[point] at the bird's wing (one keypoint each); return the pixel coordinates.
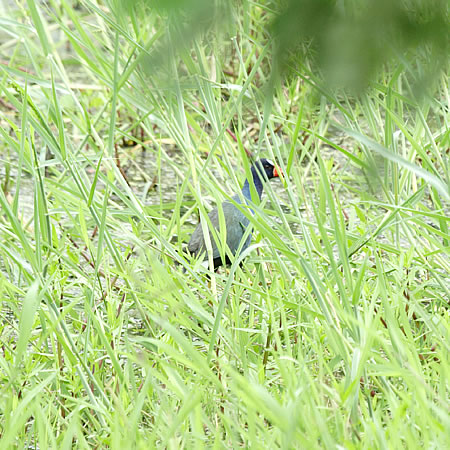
(235, 222)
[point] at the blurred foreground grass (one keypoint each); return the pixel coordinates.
(336, 330)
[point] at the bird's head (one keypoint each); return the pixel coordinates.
(267, 167)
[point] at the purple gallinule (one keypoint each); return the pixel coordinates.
(235, 221)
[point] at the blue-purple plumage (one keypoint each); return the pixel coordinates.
(236, 223)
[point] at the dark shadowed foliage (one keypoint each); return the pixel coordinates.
(347, 41)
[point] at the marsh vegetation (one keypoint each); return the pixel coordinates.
(119, 129)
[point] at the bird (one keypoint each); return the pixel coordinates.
(235, 221)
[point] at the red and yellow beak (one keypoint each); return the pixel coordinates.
(277, 172)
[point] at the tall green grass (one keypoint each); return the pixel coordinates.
(334, 333)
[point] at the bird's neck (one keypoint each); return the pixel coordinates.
(258, 185)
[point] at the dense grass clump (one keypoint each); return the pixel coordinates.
(116, 137)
